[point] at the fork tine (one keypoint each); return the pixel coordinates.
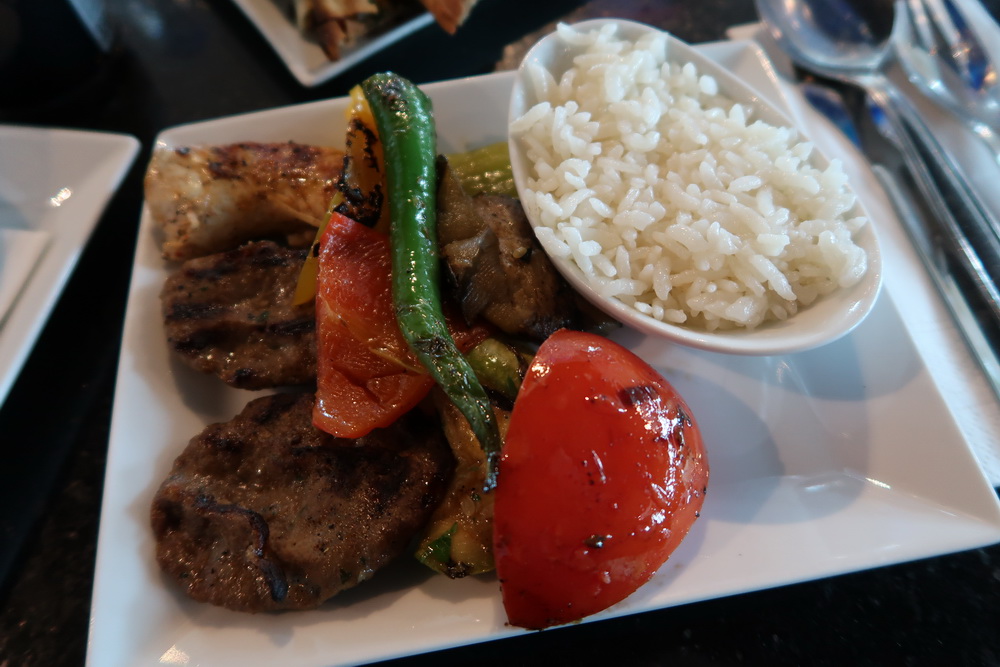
(922, 30)
(949, 32)
(963, 50)
(979, 63)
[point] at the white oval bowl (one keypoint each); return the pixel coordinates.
(830, 317)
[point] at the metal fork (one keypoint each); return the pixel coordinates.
(945, 58)
(943, 31)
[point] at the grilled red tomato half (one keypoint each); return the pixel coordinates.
(603, 472)
(366, 375)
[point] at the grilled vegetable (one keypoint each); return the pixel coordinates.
(458, 540)
(367, 376)
(485, 170)
(305, 288)
(406, 128)
(500, 366)
(603, 473)
(362, 181)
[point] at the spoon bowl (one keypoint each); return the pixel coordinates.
(824, 321)
(833, 38)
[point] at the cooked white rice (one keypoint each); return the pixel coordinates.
(671, 199)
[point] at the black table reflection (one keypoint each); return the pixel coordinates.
(178, 61)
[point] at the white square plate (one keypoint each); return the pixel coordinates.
(824, 462)
(304, 58)
(54, 184)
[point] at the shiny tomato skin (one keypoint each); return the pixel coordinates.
(603, 472)
(366, 375)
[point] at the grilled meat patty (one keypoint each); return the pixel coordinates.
(231, 315)
(265, 512)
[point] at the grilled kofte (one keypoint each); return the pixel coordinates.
(265, 512)
(231, 315)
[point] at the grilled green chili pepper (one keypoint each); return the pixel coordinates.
(406, 127)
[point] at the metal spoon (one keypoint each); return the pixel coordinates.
(851, 42)
(944, 59)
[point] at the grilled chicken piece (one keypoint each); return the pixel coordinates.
(231, 315)
(212, 198)
(265, 512)
(499, 269)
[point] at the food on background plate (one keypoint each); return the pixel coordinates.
(246, 519)
(336, 24)
(671, 199)
(450, 14)
(340, 23)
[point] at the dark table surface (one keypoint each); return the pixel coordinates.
(186, 60)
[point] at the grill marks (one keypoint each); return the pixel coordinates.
(231, 315)
(265, 512)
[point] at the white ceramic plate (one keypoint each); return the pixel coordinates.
(820, 463)
(304, 58)
(53, 183)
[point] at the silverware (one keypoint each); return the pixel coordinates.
(942, 30)
(922, 232)
(851, 47)
(935, 260)
(943, 57)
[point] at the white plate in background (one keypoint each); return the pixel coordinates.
(53, 183)
(20, 250)
(304, 57)
(823, 462)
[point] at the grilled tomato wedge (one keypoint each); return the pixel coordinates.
(602, 475)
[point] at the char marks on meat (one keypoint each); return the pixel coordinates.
(265, 512)
(231, 315)
(499, 269)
